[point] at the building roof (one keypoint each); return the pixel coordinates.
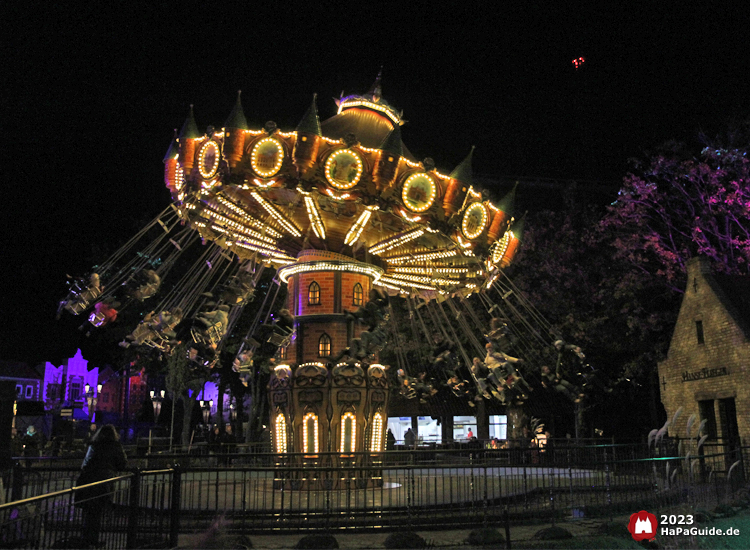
(370, 128)
(236, 118)
(16, 369)
(310, 122)
(734, 293)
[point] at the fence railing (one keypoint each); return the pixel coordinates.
(421, 488)
(140, 510)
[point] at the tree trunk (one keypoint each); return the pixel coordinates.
(220, 402)
(187, 428)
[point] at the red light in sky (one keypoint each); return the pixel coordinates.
(578, 62)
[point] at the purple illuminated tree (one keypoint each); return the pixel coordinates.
(676, 207)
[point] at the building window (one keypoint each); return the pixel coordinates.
(707, 412)
(29, 392)
(19, 390)
(53, 390)
(282, 354)
(348, 432)
(699, 332)
(498, 426)
(324, 346)
(376, 442)
(313, 294)
(359, 295)
(310, 433)
(280, 433)
(75, 391)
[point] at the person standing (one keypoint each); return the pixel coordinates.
(390, 440)
(104, 458)
(469, 434)
(410, 439)
(229, 443)
(32, 442)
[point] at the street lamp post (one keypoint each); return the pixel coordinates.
(206, 406)
(92, 396)
(156, 400)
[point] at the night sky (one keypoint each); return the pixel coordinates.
(92, 95)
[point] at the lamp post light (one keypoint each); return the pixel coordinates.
(91, 399)
(156, 400)
(206, 406)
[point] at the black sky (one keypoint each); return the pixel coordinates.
(94, 91)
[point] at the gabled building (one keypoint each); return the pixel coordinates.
(65, 384)
(27, 380)
(706, 370)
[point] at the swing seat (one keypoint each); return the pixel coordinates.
(409, 393)
(157, 340)
(199, 336)
(143, 332)
(145, 292)
(97, 319)
(77, 306)
(282, 338)
(78, 303)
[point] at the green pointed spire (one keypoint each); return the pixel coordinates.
(506, 204)
(310, 123)
(237, 116)
(173, 148)
(392, 142)
(517, 227)
(190, 128)
(462, 172)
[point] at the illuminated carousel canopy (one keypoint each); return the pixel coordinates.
(347, 185)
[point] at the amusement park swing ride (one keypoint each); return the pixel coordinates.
(350, 221)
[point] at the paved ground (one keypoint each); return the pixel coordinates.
(446, 540)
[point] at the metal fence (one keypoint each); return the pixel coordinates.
(424, 488)
(142, 513)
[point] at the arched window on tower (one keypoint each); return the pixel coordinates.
(324, 345)
(359, 295)
(376, 435)
(310, 433)
(313, 294)
(348, 433)
(280, 433)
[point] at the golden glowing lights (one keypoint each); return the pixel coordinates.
(448, 271)
(247, 219)
(314, 214)
(310, 433)
(208, 159)
(500, 247)
(411, 278)
(396, 240)
(474, 220)
(401, 283)
(376, 441)
(280, 433)
(236, 226)
(348, 433)
(419, 192)
(424, 257)
(343, 169)
(350, 267)
(267, 157)
(370, 105)
(356, 230)
(277, 215)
